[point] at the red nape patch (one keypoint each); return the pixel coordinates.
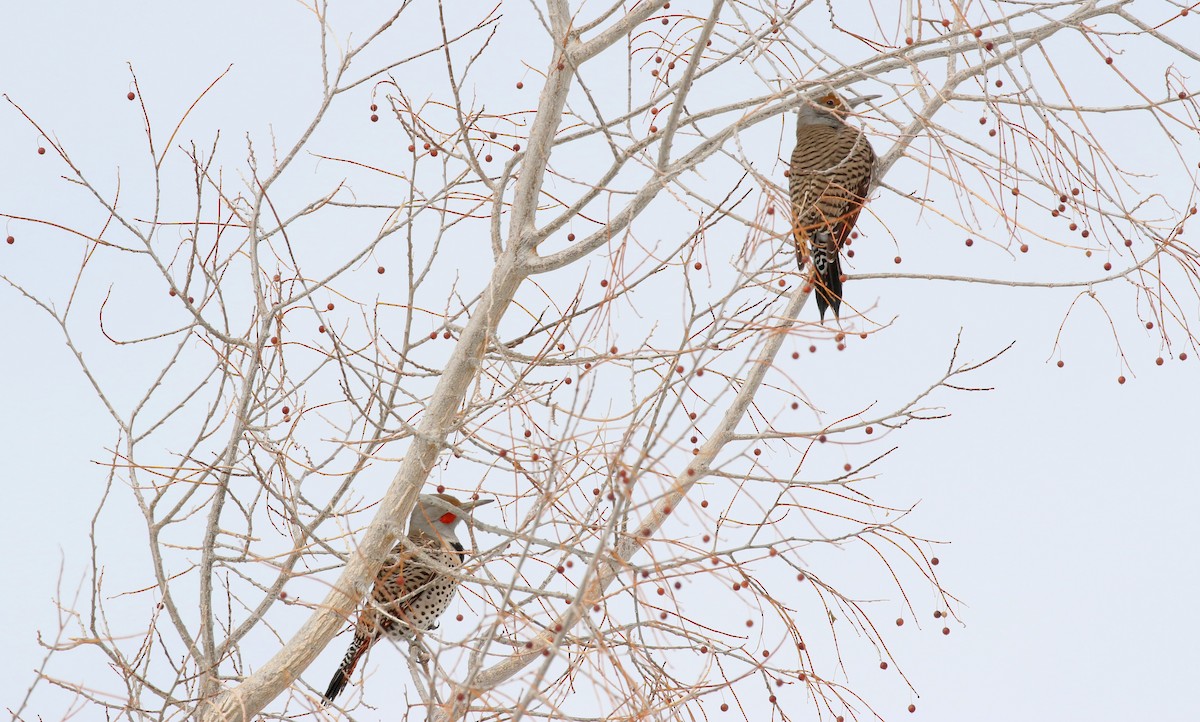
(447, 518)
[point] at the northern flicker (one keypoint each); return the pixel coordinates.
(830, 176)
(412, 589)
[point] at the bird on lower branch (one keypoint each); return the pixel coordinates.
(413, 587)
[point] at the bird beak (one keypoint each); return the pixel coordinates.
(861, 99)
(470, 505)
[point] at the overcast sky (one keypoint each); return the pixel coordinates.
(1067, 503)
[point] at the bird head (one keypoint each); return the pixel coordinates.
(829, 108)
(439, 514)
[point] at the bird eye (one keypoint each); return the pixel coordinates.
(830, 102)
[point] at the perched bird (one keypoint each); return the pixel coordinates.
(412, 589)
(830, 176)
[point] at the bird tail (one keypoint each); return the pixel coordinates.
(827, 276)
(342, 677)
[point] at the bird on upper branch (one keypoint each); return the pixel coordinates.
(829, 179)
(413, 587)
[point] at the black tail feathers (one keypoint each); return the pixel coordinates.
(829, 289)
(342, 677)
(336, 685)
(827, 278)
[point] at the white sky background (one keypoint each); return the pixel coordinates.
(1067, 502)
